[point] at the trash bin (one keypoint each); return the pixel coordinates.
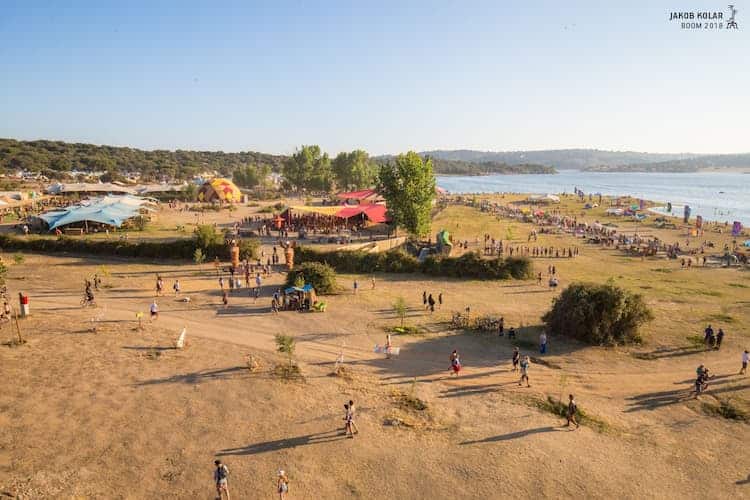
(24, 302)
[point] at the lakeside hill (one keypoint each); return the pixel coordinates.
(54, 157)
(559, 158)
(684, 165)
(442, 166)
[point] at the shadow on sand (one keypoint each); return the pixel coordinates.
(514, 435)
(283, 444)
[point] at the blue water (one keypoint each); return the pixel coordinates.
(715, 196)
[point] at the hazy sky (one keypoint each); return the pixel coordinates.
(383, 76)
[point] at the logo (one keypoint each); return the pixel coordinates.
(732, 24)
(705, 19)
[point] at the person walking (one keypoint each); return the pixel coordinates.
(356, 287)
(282, 485)
(708, 334)
(352, 413)
(372, 282)
(745, 357)
(542, 343)
(388, 346)
(440, 300)
(431, 304)
(154, 310)
(525, 371)
(348, 431)
(572, 410)
(455, 363)
(501, 327)
(515, 359)
(159, 286)
(424, 299)
(221, 282)
(176, 287)
(719, 338)
(225, 298)
(221, 474)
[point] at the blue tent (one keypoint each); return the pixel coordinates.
(306, 288)
(109, 210)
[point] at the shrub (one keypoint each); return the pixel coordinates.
(206, 236)
(176, 249)
(19, 258)
(399, 307)
(469, 265)
(249, 248)
(321, 276)
(598, 314)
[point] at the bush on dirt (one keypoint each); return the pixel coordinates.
(598, 314)
(321, 276)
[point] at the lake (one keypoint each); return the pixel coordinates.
(715, 196)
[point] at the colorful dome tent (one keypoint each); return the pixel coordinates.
(221, 190)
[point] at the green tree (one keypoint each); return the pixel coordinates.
(354, 170)
(399, 307)
(308, 169)
(408, 186)
(198, 256)
(250, 176)
(286, 344)
(598, 314)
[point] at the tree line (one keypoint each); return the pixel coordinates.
(56, 159)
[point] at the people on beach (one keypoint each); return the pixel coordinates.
(515, 359)
(221, 475)
(455, 363)
(571, 412)
(525, 371)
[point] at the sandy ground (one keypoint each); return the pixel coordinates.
(94, 407)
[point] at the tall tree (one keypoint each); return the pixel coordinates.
(408, 186)
(354, 170)
(308, 169)
(250, 176)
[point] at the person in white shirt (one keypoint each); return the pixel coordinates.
(154, 311)
(745, 357)
(542, 343)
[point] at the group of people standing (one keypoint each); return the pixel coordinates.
(428, 301)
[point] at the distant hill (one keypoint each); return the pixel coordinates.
(460, 167)
(559, 158)
(684, 165)
(54, 157)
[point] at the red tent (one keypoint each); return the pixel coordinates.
(376, 213)
(364, 196)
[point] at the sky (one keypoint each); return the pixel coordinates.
(382, 76)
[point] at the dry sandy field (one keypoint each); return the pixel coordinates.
(94, 406)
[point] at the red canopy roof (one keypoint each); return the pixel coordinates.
(376, 213)
(358, 195)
